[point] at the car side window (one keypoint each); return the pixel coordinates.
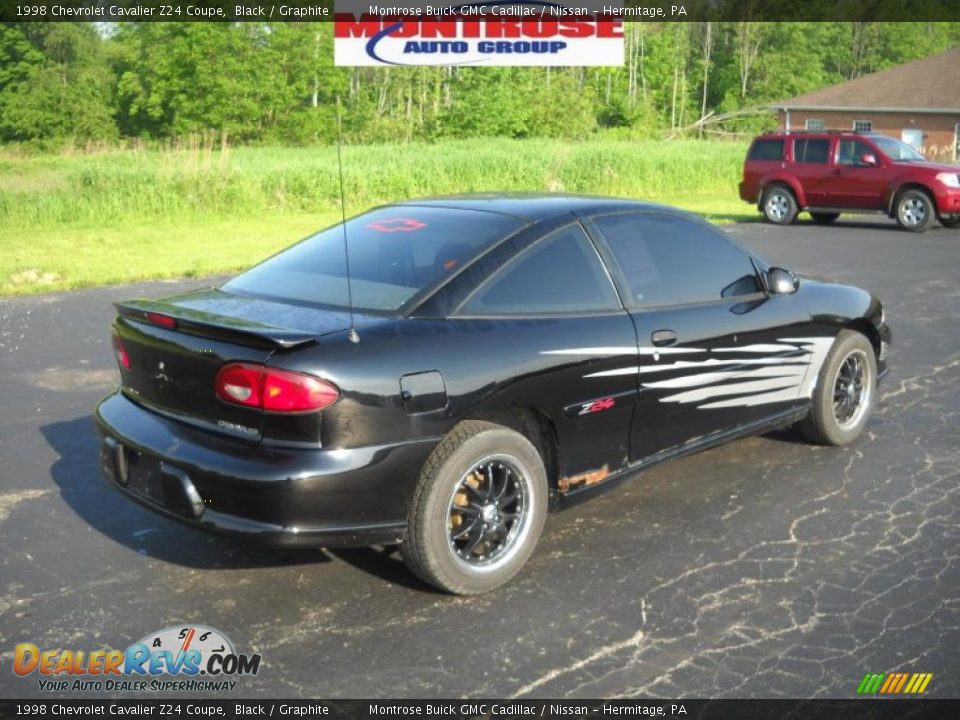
(811, 150)
(766, 150)
(669, 260)
(849, 152)
(560, 273)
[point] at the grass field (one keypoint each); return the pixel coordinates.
(70, 221)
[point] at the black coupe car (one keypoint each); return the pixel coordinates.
(486, 357)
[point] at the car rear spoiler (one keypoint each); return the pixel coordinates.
(219, 327)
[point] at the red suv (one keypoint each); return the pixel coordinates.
(826, 173)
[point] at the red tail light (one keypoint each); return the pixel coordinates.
(162, 320)
(121, 352)
(272, 389)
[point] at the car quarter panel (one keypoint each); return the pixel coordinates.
(488, 366)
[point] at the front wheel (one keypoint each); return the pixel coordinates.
(478, 509)
(844, 393)
(778, 205)
(914, 210)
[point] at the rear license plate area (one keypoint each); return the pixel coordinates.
(143, 475)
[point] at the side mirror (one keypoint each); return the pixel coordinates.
(868, 159)
(782, 282)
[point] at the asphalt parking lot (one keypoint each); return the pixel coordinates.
(765, 568)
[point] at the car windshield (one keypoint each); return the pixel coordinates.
(394, 253)
(896, 150)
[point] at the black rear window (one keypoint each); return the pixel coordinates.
(766, 150)
(394, 253)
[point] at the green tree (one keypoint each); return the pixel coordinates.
(57, 85)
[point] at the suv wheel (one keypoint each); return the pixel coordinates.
(824, 218)
(950, 222)
(478, 509)
(778, 205)
(914, 210)
(844, 393)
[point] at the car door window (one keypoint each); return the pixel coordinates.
(667, 260)
(561, 273)
(849, 152)
(809, 150)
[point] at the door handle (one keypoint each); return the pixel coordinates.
(663, 337)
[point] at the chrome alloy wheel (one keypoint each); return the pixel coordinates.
(912, 212)
(488, 514)
(777, 206)
(852, 390)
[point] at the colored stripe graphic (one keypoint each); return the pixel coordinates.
(894, 683)
(870, 683)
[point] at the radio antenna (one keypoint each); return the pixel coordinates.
(352, 335)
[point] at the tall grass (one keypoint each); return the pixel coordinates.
(74, 220)
(121, 187)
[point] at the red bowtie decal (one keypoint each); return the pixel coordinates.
(397, 225)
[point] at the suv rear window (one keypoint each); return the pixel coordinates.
(766, 150)
(394, 253)
(811, 150)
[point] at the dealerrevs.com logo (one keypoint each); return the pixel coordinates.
(190, 658)
(479, 34)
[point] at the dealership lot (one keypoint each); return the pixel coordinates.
(764, 568)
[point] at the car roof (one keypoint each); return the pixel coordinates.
(538, 206)
(780, 134)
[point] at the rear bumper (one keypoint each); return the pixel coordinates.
(277, 496)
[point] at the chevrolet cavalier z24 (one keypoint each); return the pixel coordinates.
(499, 355)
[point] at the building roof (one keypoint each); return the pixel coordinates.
(930, 84)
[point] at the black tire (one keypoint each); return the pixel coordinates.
(914, 210)
(826, 424)
(778, 205)
(474, 452)
(950, 222)
(824, 218)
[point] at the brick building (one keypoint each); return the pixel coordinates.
(918, 102)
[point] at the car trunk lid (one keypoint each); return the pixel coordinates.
(176, 346)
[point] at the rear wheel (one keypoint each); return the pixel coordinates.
(778, 205)
(478, 509)
(824, 218)
(844, 393)
(914, 210)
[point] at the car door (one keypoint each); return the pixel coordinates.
(811, 158)
(541, 331)
(854, 183)
(715, 351)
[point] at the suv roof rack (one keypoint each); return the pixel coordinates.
(832, 131)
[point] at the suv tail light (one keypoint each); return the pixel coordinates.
(120, 351)
(272, 389)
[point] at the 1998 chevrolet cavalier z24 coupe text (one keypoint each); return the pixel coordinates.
(512, 352)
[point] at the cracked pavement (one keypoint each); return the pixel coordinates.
(764, 568)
